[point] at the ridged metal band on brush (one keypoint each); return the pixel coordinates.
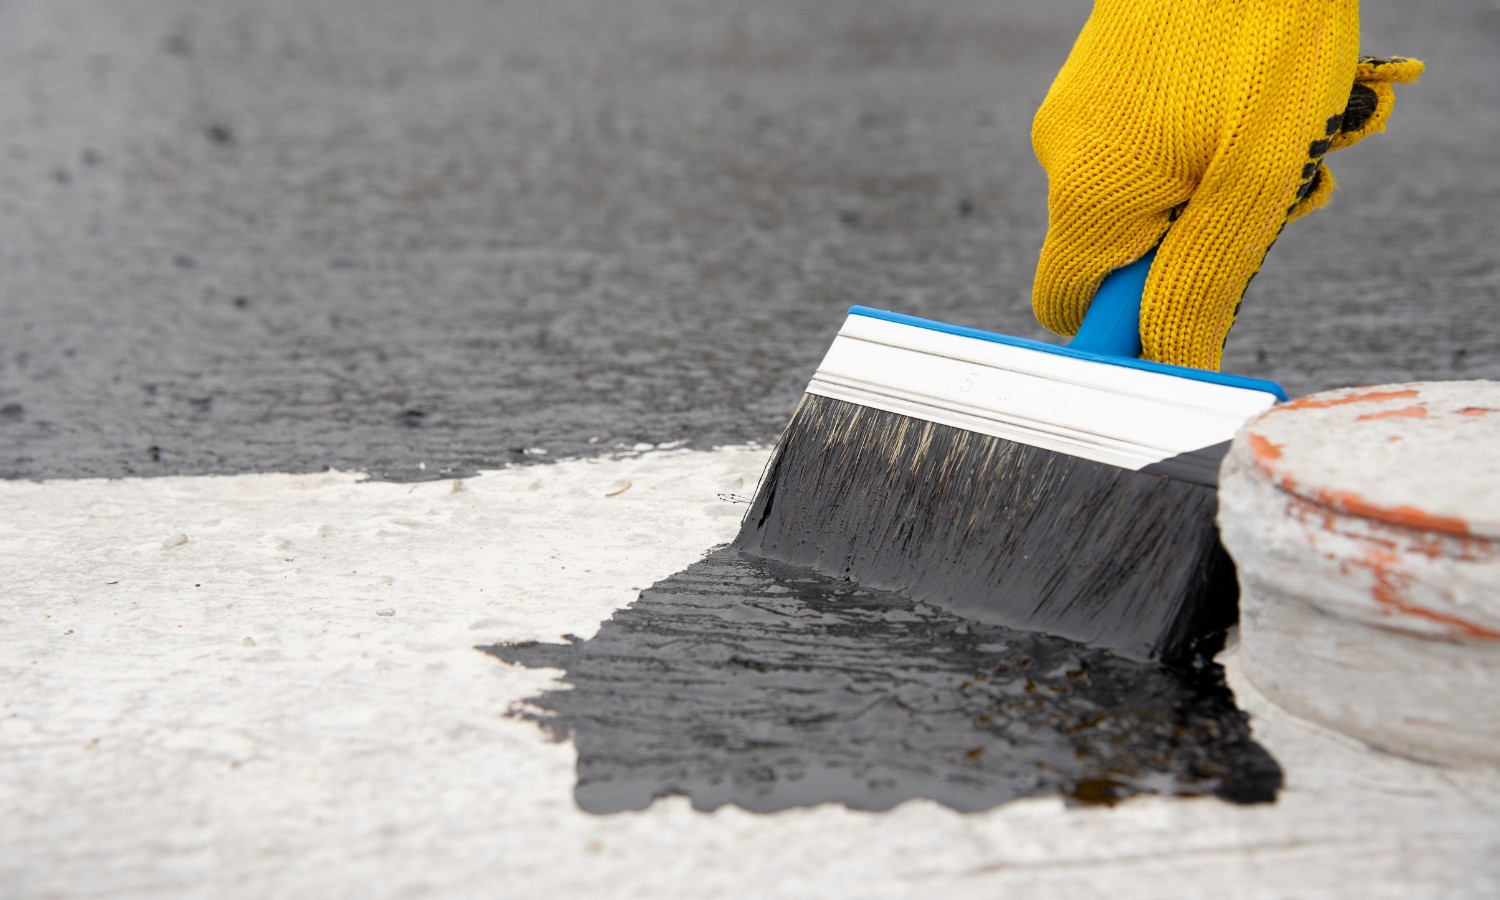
(1128, 417)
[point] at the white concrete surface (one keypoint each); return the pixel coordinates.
(1366, 526)
(264, 685)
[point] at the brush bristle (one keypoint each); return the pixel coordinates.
(996, 530)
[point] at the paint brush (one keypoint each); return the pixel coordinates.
(1063, 489)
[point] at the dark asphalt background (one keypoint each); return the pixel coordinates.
(290, 234)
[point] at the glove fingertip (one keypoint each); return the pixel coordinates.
(1057, 304)
(1314, 194)
(1073, 262)
(1369, 109)
(1389, 69)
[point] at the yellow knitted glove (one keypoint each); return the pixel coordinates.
(1202, 125)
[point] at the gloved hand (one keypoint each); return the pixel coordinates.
(1202, 125)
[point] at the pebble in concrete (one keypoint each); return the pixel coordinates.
(1365, 523)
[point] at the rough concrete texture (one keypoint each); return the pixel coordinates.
(233, 715)
(284, 235)
(1366, 526)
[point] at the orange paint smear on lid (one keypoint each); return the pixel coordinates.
(1370, 397)
(1410, 412)
(1388, 589)
(1263, 449)
(1406, 516)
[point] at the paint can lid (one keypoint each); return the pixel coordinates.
(1424, 456)
(1365, 527)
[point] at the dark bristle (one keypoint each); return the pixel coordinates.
(995, 530)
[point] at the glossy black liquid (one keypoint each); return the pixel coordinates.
(751, 682)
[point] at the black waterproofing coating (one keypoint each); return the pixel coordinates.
(751, 682)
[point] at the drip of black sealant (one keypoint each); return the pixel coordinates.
(763, 685)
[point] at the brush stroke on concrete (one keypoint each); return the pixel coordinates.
(746, 681)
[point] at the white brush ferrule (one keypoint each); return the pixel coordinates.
(1127, 414)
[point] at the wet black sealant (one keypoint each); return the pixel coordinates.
(756, 683)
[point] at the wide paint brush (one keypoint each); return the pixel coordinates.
(1069, 490)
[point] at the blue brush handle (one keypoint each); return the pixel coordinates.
(1113, 323)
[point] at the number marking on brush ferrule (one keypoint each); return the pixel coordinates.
(1128, 416)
